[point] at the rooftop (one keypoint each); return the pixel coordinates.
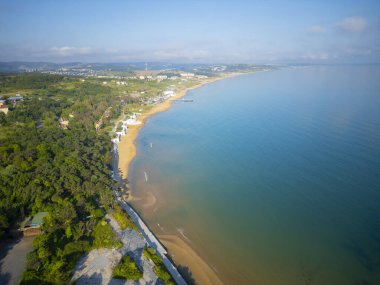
(38, 218)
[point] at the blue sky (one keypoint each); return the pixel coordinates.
(334, 31)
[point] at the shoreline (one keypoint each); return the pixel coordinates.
(127, 145)
(182, 253)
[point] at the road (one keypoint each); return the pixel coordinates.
(13, 260)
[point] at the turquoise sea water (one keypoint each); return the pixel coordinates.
(273, 177)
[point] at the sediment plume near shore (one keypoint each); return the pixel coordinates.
(181, 252)
(127, 146)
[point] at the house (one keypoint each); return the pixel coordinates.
(64, 124)
(16, 98)
(4, 109)
(187, 75)
(32, 226)
(169, 93)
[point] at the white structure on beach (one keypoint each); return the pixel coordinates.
(87, 264)
(132, 120)
(169, 93)
(187, 75)
(121, 133)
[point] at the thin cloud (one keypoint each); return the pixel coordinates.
(353, 24)
(67, 51)
(316, 30)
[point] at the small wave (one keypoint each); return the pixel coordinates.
(213, 267)
(160, 227)
(182, 232)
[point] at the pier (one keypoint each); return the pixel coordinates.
(183, 100)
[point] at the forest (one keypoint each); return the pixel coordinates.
(61, 169)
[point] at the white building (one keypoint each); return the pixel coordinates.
(169, 93)
(187, 75)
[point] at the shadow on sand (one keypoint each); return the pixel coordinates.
(187, 274)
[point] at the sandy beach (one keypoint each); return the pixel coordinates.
(127, 146)
(180, 251)
(183, 255)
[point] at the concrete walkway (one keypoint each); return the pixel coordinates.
(96, 267)
(153, 242)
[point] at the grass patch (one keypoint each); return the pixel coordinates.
(127, 269)
(159, 267)
(124, 219)
(104, 236)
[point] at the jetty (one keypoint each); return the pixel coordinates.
(183, 100)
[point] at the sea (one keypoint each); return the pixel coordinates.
(272, 177)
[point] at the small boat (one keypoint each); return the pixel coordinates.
(146, 176)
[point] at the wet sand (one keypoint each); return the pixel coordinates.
(181, 250)
(183, 255)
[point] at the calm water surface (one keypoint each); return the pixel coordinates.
(273, 177)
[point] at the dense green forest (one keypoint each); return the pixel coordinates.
(62, 170)
(55, 156)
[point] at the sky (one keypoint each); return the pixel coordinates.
(193, 31)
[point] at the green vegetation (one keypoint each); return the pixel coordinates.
(159, 268)
(55, 157)
(65, 172)
(104, 236)
(127, 269)
(123, 218)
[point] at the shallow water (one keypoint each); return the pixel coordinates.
(273, 177)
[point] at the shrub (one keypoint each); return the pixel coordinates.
(159, 268)
(31, 277)
(127, 269)
(124, 220)
(104, 236)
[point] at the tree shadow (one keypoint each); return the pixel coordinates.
(6, 246)
(5, 278)
(94, 279)
(187, 274)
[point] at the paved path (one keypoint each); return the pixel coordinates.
(146, 232)
(13, 263)
(153, 242)
(96, 267)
